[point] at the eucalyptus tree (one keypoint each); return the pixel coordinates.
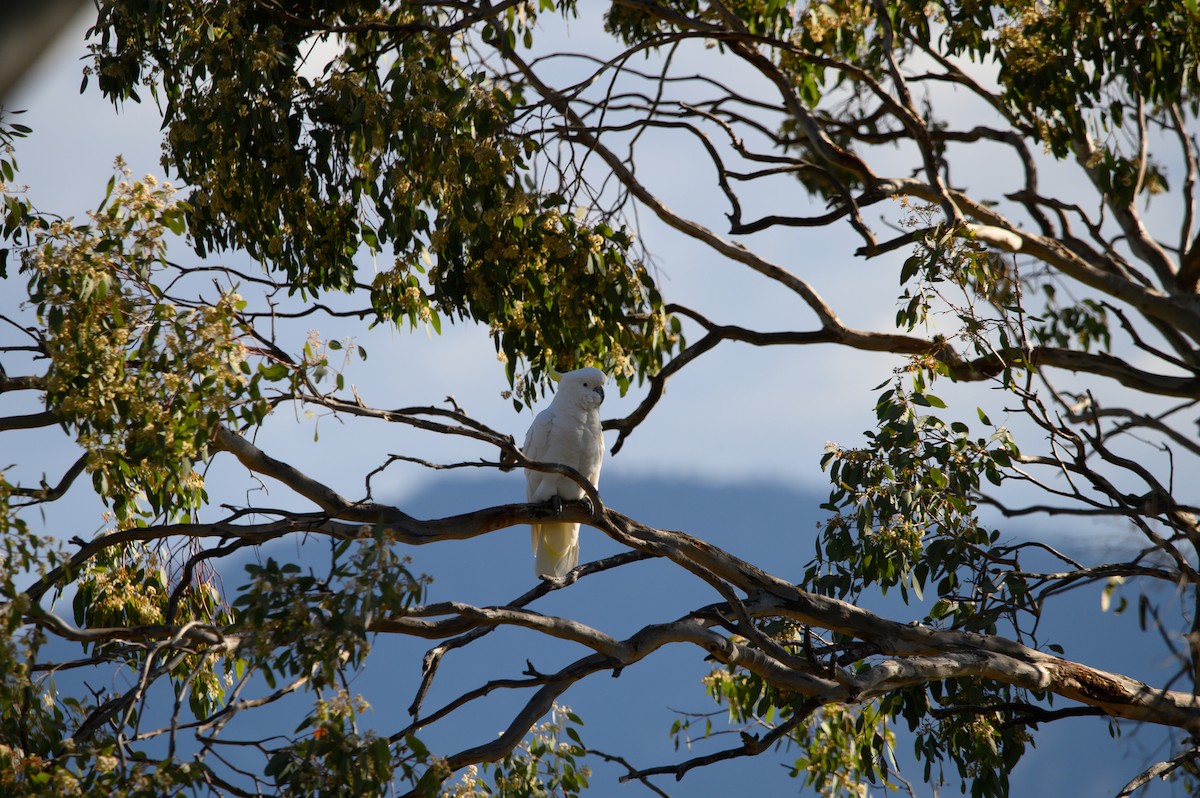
(1026, 172)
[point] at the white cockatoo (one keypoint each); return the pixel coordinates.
(568, 433)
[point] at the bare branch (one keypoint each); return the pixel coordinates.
(632, 771)
(752, 745)
(50, 494)
(1160, 770)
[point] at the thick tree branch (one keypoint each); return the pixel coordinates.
(25, 383)
(29, 421)
(256, 460)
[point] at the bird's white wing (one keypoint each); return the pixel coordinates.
(591, 466)
(555, 545)
(537, 444)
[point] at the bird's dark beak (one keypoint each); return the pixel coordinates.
(600, 390)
